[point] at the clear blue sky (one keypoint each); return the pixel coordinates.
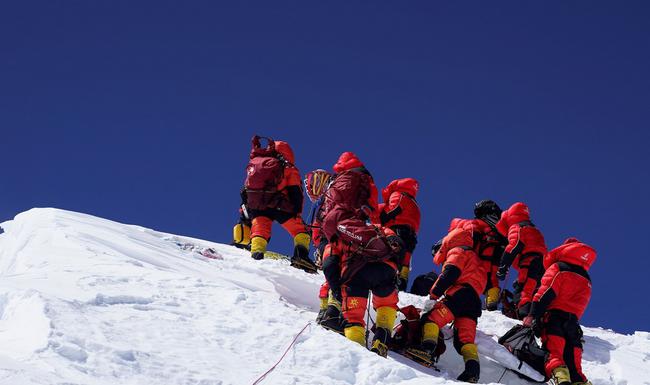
(142, 111)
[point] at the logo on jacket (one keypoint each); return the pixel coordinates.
(350, 234)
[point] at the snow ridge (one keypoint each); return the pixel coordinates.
(84, 300)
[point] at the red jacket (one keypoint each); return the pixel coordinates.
(460, 265)
(524, 239)
(566, 284)
(400, 207)
(487, 241)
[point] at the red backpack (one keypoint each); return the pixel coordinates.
(350, 191)
(264, 174)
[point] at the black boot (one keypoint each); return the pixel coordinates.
(300, 259)
(257, 255)
(332, 320)
(471, 373)
(380, 342)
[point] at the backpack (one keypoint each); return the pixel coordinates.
(365, 244)
(264, 172)
(521, 342)
(350, 190)
(423, 283)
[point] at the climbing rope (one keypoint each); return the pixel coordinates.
(272, 368)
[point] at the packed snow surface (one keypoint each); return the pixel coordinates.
(85, 300)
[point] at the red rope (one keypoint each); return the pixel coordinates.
(283, 355)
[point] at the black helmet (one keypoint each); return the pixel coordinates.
(488, 210)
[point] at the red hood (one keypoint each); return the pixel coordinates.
(406, 185)
(347, 161)
(457, 237)
(284, 149)
(517, 213)
(465, 224)
(571, 251)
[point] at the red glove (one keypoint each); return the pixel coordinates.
(528, 321)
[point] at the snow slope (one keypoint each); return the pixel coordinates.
(85, 300)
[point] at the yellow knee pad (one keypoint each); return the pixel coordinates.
(430, 332)
(241, 234)
(258, 245)
(302, 239)
(356, 334)
(386, 316)
(469, 352)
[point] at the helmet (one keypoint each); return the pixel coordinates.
(487, 210)
(316, 183)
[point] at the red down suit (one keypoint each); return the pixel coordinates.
(286, 208)
(401, 213)
(462, 281)
(525, 250)
(487, 245)
(350, 200)
(559, 303)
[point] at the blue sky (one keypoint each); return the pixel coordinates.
(142, 112)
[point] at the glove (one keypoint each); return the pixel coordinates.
(396, 244)
(501, 274)
(318, 258)
(528, 321)
(428, 305)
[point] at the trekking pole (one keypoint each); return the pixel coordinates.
(368, 320)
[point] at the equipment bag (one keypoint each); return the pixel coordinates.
(521, 342)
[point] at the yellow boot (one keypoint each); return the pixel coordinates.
(302, 239)
(561, 376)
(386, 316)
(333, 319)
(492, 298)
(356, 333)
(241, 236)
(258, 247)
(472, 370)
(300, 258)
(425, 353)
(322, 309)
(430, 333)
